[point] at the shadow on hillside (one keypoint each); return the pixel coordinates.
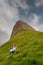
(31, 62)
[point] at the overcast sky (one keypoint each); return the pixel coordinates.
(30, 11)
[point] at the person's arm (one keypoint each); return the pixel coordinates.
(16, 48)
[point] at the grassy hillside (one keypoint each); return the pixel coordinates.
(30, 49)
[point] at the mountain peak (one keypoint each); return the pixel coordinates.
(20, 22)
(19, 27)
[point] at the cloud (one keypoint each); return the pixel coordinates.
(20, 3)
(35, 22)
(3, 37)
(41, 27)
(38, 3)
(23, 5)
(7, 16)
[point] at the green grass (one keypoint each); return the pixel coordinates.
(30, 49)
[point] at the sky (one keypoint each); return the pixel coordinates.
(31, 11)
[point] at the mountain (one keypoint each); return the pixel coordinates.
(29, 43)
(30, 49)
(19, 27)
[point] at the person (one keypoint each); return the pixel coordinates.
(13, 50)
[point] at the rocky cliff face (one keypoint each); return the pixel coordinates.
(19, 27)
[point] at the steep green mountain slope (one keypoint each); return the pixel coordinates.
(30, 49)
